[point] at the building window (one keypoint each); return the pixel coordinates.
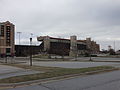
(8, 35)
(8, 50)
(2, 30)
(8, 28)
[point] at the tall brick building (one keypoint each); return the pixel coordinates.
(7, 42)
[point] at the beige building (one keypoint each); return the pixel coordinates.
(70, 47)
(7, 42)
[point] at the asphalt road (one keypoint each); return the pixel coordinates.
(73, 64)
(103, 81)
(77, 64)
(79, 59)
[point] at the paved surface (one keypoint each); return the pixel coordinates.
(98, 59)
(77, 64)
(73, 64)
(79, 59)
(105, 59)
(103, 81)
(26, 59)
(9, 71)
(82, 59)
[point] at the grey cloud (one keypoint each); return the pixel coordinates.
(94, 18)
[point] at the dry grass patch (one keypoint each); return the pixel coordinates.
(49, 73)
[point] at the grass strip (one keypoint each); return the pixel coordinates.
(51, 72)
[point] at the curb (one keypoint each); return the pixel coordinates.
(54, 78)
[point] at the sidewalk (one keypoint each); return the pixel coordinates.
(9, 71)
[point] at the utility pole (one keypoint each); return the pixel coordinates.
(114, 45)
(30, 51)
(19, 33)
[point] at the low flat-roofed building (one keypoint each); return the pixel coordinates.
(25, 50)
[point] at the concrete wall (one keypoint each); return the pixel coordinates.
(76, 47)
(73, 46)
(46, 43)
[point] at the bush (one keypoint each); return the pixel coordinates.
(93, 55)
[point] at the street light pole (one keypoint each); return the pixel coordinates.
(114, 46)
(30, 51)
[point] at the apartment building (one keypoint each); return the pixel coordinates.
(7, 42)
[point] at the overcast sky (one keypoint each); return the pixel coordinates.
(98, 19)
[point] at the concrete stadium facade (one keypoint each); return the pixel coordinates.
(70, 47)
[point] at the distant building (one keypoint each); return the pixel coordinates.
(71, 47)
(118, 52)
(24, 50)
(7, 43)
